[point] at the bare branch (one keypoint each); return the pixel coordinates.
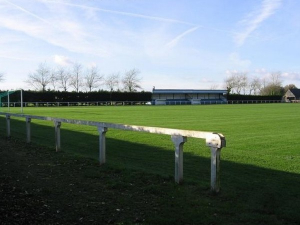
(237, 81)
(255, 85)
(92, 79)
(76, 79)
(41, 78)
(273, 85)
(63, 78)
(1, 77)
(112, 81)
(53, 78)
(131, 80)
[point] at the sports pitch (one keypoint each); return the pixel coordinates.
(264, 135)
(260, 167)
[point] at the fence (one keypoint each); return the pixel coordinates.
(252, 101)
(87, 103)
(116, 103)
(214, 141)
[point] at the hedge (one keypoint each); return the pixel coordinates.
(63, 96)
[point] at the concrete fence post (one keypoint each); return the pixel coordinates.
(215, 169)
(8, 125)
(28, 130)
(215, 142)
(102, 145)
(57, 125)
(178, 142)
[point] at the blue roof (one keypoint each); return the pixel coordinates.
(187, 91)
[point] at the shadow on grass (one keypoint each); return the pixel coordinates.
(246, 189)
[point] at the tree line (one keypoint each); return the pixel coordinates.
(240, 83)
(77, 78)
(65, 96)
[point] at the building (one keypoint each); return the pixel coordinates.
(292, 95)
(188, 96)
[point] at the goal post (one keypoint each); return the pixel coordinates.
(7, 94)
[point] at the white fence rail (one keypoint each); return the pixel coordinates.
(214, 141)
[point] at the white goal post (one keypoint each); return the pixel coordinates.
(8, 93)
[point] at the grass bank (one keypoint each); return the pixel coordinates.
(40, 186)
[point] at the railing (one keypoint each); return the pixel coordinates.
(86, 103)
(213, 102)
(214, 141)
(252, 101)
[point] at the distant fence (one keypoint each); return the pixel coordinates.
(253, 101)
(122, 103)
(213, 102)
(214, 141)
(87, 103)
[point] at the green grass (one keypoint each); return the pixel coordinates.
(260, 167)
(264, 135)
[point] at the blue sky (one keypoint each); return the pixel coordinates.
(174, 43)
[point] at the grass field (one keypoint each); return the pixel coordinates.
(260, 167)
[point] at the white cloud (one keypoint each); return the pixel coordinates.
(28, 12)
(120, 12)
(62, 60)
(175, 41)
(261, 70)
(267, 8)
(65, 33)
(291, 75)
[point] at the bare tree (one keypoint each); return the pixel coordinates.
(53, 78)
(41, 78)
(273, 85)
(240, 81)
(243, 81)
(275, 78)
(1, 77)
(131, 80)
(92, 78)
(236, 82)
(289, 86)
(76, 79)
(255, 85)
(63, 78)
(271, 89)
(230, 83)
(112, 81)
(263, 84)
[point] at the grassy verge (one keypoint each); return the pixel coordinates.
(40, 186)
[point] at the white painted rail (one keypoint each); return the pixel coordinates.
(214, 141)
